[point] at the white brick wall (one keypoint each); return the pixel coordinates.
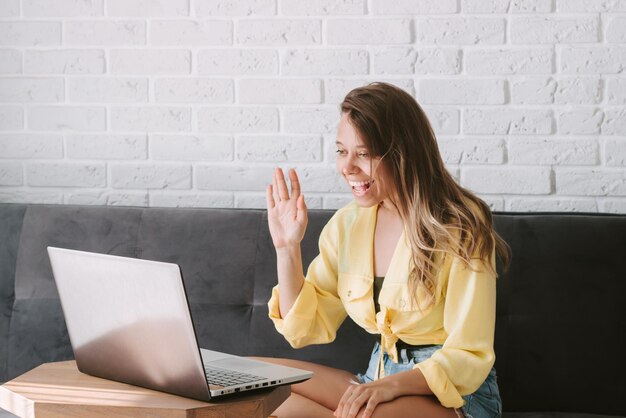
(151, 176)
(30, 33)
(194, 90)
(190, 32)
(150, 61)
(10, 61)
(145, 8)
(461, 31)
(510, 61)
(150, 119)
(275, 32)
(108, 89)
(62, 8)
(324, 62)
(106, 147)
(10, 8)
(31, 146)
(69, 61)
(191, 148)
(401, 7)
(21, 89)
(192, 103)
(66, 118)
(115, 32)
(323, 7)
(550, 30)
(279, 149)
(11, 174)
(592, 60)
(235, 62)
(369, 31)
(468, 91)
(235, 8)
(11, 118)
(65, 174)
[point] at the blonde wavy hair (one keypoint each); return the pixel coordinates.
(439, 215)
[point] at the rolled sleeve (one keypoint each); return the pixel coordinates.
(313, 319)
(464, 361)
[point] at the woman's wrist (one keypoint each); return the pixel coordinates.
(410, 382)
(395, 387)
(288, 249)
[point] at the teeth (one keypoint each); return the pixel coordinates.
(358, 183)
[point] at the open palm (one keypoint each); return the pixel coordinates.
(286, 214)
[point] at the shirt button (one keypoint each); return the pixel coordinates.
(349, 293)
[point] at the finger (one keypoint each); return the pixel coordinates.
(342, 402)
(337, 412)
(283, 192)
(349, 405)
(369, 408)
(275, 182)
(269, 197)
(356, 405)
(302, 213)
(275, 187)
(295, 184)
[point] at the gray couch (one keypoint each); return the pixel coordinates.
(560, 333)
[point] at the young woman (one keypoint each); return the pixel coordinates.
(412, 259)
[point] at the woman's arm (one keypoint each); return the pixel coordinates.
(469, 318)
(290, 276)
(287, 219)
(304, 311)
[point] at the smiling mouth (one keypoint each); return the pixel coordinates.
(360, 186)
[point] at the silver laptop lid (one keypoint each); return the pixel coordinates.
(128, 320)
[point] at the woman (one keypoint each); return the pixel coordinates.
(412, 258)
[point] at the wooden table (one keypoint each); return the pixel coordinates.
(55, 390)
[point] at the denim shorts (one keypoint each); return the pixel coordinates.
(484, 403)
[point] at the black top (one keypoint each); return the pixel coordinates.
(378, 284)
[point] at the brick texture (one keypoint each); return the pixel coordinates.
(184, 103)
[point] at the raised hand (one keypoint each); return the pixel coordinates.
(286, 214)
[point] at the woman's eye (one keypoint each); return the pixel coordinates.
(340, 152)
(364, 154)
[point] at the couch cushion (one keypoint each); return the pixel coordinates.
(560, 333)
(216, 253)
(11, 217)
(37, 329)
(553, 415)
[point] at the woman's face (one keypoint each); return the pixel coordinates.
(362, 172)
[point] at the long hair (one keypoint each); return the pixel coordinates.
(440, 216)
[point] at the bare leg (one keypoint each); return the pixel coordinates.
(325, 387)
(413, 406)
(302, 407)
(328, 385)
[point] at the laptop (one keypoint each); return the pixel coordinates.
(129, 320)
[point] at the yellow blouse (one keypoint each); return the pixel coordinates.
(339, 282)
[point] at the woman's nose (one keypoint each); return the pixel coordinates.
(348, 166)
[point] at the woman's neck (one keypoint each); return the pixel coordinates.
(389, 209)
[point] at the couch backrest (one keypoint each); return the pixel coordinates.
(561, 316)
(560, 325)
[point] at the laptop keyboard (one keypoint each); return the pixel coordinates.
(224, 377)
